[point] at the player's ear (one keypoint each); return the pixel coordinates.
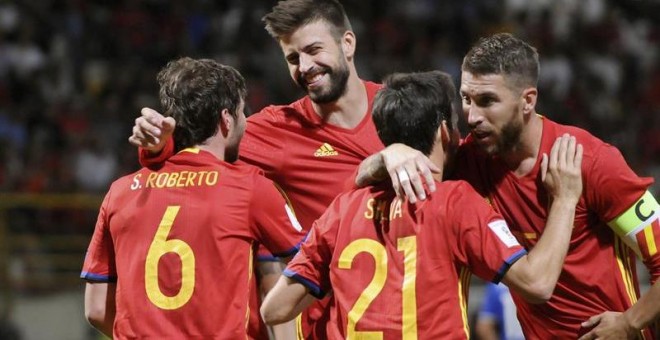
(529, 96)
(443, 135)
(226, 122)
(348, 41)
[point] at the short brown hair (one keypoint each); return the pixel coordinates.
(289, 15)
(504, 54)
(194, 92)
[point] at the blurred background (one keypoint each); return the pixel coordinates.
(74, 75)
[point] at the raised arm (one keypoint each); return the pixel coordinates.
(404, 165)
(152, 130)
(534, 276)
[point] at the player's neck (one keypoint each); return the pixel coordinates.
(215, 147)
(349, 110)
(522, 158)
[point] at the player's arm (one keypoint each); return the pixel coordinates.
(152, 133)
(307, 276)
(639, 227)
(535, 275)
(268, 272)
(285, 301)
(403, 165)
(100, 305)
(627, 325)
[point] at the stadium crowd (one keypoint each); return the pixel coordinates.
(74, 74)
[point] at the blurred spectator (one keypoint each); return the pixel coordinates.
(76, 71)
(497, 318)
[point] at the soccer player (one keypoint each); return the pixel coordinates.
(313, 145)
(616, 219)
(171, 254)
(401, 271)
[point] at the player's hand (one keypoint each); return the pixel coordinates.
(152, 130)
(404, 165)
(561, 172)
(609, 326)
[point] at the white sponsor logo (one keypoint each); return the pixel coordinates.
(292, 218)
(502, 231)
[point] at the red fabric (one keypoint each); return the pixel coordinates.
(223, 210)
(283, 141)
(591, 281)
(449, 231)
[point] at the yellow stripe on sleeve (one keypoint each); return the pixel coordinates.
(463, 276)
(624, 268)
(650, 240)
(299, 332)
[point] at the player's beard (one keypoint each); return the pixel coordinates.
(509, 137)
(337, 84)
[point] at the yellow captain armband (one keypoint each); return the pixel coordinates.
(641, 219)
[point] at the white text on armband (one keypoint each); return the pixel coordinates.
(642, 215)
(177, 179)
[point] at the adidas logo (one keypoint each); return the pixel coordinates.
(325, 150)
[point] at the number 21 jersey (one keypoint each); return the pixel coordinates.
(398, 270)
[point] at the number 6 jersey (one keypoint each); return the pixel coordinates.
(401, 271)
(179, 242)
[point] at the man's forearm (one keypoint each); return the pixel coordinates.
(371, 170)
(547, 257)
(646, 310)
(534, 276)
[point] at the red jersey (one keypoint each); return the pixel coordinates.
(179, 243)
(599, 269)
(310, 159)
(399, 270)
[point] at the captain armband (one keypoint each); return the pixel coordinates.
(639, 226)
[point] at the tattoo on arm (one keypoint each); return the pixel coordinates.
(372, 170)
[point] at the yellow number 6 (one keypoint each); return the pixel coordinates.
(159, 247)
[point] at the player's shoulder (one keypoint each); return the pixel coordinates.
(456, 193)
(274, 115)
(243, 172)
(588, 140)
(595, 149)
(454, 187)
(372, 86)
(346, 199)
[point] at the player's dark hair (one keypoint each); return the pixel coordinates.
(289, 15)
(194, 92)
(506, 55)
(411, 107)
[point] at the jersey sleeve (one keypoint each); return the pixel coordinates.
(621, 198)
(274, 223)
(149, 160)
(259, 147)
(484, 242)
(99, 264)
(311, 266)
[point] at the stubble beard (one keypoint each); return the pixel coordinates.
(508, 140)
(337, 87)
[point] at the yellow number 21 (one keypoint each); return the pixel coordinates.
(159, 247)
(407, 245)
